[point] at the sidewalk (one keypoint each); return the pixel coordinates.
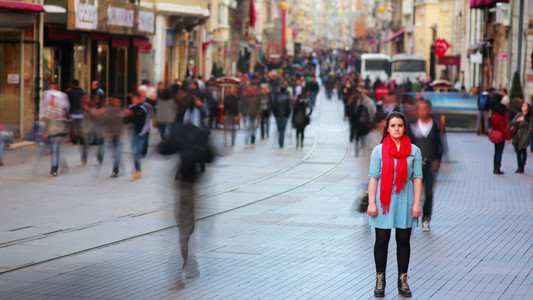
(285, 228)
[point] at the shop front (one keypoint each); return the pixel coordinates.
(112, 44)
(19, 50)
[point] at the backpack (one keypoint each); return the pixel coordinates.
(484, 102)
(362, 119)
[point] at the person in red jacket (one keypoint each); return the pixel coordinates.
(499, 123)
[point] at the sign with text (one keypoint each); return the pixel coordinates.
(110, 16)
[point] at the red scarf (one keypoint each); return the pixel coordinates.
(388, 153)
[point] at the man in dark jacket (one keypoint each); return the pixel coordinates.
(75, 97)
(312, 88)
(282, 112)
(425, 133)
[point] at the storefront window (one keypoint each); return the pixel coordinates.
(10, 86)
(51, 66)
(102, 67)
(121, 81)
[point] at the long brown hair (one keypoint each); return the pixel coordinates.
(394, 114)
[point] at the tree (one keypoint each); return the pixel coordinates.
(516, 87)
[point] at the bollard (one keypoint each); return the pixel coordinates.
(442, 123)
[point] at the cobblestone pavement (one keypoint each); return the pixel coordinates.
(272, 224)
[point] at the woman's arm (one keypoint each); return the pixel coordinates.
(416, 210)
(372, 209)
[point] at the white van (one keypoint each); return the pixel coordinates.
(374, 66)
(408, 66)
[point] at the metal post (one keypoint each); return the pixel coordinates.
(21, 83)
(520, 38)
(510, 45)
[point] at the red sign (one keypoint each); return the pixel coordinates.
(441, 46)
(447, 60)
(529, 78)
(501, 55)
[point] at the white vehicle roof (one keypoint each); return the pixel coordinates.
(375, 55)
(407, 56)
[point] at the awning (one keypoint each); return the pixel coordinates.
(451, 60)
(99, 36)
(177, 9)
(142, 43)
(395, 35)
(21, 6)
(483, 3)
(58, 34)
(120, 41)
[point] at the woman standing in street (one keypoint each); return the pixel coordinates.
(300, 119)
(394, 194)
(524, 120)
(499, 123)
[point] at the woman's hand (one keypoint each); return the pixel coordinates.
(372, 210)
(416, 210)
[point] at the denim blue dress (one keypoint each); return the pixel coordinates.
(399, 215)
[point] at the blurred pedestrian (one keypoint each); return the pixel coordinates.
(231, 116)
(93, 110)
(113, 131)
(396, 168)
(425, 134)
(251, 110)
(499, 123)
(524, 121)
(192, 144)
(96, 89)
(483, 108)
(330, 85)
(300, 118)
(76, 98)
(166, 113)
(312, 88)
(56, 129)
(265, 96)
(282, 112)
(149, 106)
(136, 115)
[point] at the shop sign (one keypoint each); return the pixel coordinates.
(13, 78)
(109, 16)
(529, 78)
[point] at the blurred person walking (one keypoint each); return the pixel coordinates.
(524, 122)
(231, 116)
(330, 86)
(136, 114)
(396, 168)
(266, 100)
(55, 129)
(192, 144)
(76, 98)
(499, 124)
(282, 112)
(424, 133)
(166, 113)
(312, 88)
(93, 110)
(251, 109)
(113, 131)
(483, 107)
(300, 118)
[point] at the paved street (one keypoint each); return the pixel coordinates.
(272, 224)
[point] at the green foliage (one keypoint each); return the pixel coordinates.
(516, 87)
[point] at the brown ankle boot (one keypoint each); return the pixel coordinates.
(379, 291)
(403, 287)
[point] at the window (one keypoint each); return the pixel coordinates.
(222, 14)
(409, 66)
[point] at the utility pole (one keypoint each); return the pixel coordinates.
(510, 45)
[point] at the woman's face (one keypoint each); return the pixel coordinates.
(525, 109)
(396, 128)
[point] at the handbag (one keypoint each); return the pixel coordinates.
(513, 129)
(496, 136)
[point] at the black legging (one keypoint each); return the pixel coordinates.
(403, 249)
(300, 135)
